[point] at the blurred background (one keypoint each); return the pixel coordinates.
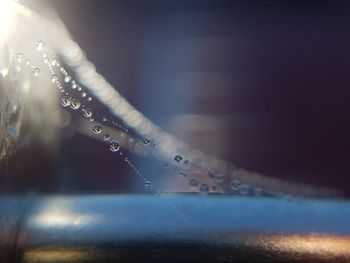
(262, 84)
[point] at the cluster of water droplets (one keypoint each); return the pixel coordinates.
(68, 101)
(217, 180)
(115, 124)
(20, 59)
(68, 85)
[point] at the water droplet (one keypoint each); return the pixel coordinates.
(235, 184)
(75, 104)
(104, 119)
(36, 72)
(178, 158)
(146, 142)
(74, 85)
(47, 60)
(83, 94)
(40, 45)
(97, 129)
(193, 183)
(114, 146)
(204, 188)
(106, 137)
(53, 62)
(220, 178)
(91, 119)
(89, 99)
(67, 79)
(53, 78)
(147, 184)
(66, 101)
(87, 112)
(79, 88)
(28, 62)
(186, 162)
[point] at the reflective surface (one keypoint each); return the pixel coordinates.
(119, 228)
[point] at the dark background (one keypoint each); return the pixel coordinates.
(264, 84)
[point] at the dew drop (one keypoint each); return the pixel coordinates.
(97, 129)
(146, 142)
(53, 78)
(91, 119)
(204, 188)
(235, 184)
(67, 79)
(75, 104)
(53, 62)
(83, 94)
(220, 178)
(193, 183)
(66, 101)
(87, 112)
(89, 99)
(106, 137)
(36, 72)
(79, 88)
(74, 85)
(147, 184)
(114, 146)
(28, 62)
(178, 158)
(104, 119)
(39, 45)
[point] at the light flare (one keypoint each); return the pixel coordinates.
(6, 14)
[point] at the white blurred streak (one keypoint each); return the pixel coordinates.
(6, 16)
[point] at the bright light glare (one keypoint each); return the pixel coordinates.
(6, 11)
